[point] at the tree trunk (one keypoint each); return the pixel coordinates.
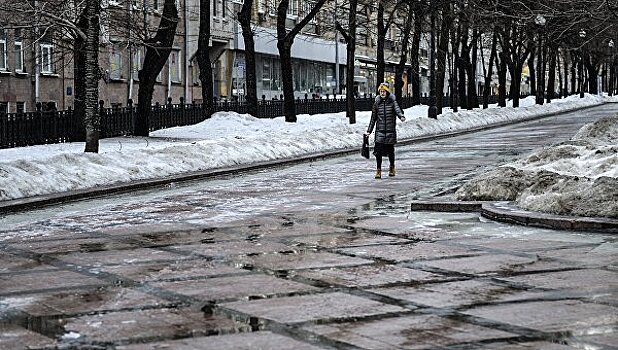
(79, 65)
(540, 65)
(414, 61)
(351, 50)
(502, 70)
(204, 62)
(403, 57)
(473, 100)
(574, 88)
(92, 118)
(244, 17)
(490, 70)
(442, 51)
(157, 52)
(531, 68)
(551, 78)
(285, 40)
(380, 53)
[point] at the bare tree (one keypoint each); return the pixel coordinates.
(285, 39)
(203, 60)
(92, 119)
(158, 49)
(350, 38)
(244, 17)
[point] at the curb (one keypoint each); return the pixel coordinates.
(508, 212)
(56, 198)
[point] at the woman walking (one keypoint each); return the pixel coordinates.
(383, 114)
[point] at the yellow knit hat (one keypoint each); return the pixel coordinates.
(385, 87)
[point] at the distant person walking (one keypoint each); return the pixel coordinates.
(383, 114)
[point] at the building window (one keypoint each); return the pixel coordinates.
(175, 66)
(215, 8)
(4, 107)
(137, 64)
(47, 58)
(3, 65)
(21, 107)
(266, 71)
(115, 65)
(155, 5)
(293, 8)
(19, 56)
(308, 5)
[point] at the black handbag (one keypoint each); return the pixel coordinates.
(365, 148)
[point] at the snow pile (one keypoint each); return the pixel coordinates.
(575, 177)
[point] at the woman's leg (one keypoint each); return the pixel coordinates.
(378, 161)
(391, 160)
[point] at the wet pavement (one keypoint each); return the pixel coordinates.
(311, 256)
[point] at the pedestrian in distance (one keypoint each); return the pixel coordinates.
(383, 113)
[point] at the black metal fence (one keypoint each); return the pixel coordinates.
(51, 126)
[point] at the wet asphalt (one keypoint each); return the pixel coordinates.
(318, 255)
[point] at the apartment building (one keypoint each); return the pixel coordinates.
(42, 70)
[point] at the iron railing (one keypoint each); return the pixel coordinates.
(51, 126)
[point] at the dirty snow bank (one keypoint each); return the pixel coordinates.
(575, 177)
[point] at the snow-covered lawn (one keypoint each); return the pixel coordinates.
(227, 139)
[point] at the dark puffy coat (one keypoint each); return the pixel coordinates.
(383, 116)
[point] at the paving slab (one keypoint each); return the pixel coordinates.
(301, 260)
(16, 337)
(551, 316)
(585, 279)
(449, 294)
(603, 255)
(120, 257)
(536, 345)
(232, 248)
(409, 332)
(242, 341)
(304, 308)
(13, 263)
(345, 239)
(43, 280)
(370, 275)
(82, 301)
(234, 287)
(169, 270)
(518, 245)
(492, 264)
(147, 325)
(409, 252)
(70, 246)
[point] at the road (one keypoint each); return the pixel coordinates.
(311, 256)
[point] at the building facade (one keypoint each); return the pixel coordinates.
(42, 70)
